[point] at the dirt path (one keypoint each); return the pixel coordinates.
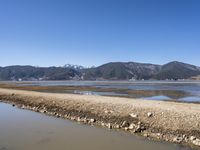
(169, 121)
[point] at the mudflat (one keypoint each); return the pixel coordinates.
(172, 94)
(159, 120)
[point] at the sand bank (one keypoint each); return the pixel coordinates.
(169, 121)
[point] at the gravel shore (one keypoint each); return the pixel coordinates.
(158, 120)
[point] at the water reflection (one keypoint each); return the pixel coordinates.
(26, 130)
(186, 91)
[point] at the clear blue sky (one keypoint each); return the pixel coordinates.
(93, 32)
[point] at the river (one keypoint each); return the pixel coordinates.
(27, 130)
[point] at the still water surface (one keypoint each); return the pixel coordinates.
(26, 130)
(192, 88)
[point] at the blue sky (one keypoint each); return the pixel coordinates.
(93, 32)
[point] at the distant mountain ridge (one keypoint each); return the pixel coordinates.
(37, 73)
(177, 70)
(138, 71)
(110, 71)
(122, 71)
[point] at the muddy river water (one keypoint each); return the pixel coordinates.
(26, 130)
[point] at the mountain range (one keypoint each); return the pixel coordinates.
(110, 71)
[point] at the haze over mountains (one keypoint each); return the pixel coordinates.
(110, 71)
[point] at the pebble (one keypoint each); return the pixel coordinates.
(184, 136)
(178, 139)
(133, 115)
(117, 126)
(138, 128)
(149, 114)
(192, 138)
(159, 134)
(132, 126)
(92, 120)
(126, 128)
(109, 126)
(196, 142)
(58, 116)
(79, 119)
(43, 111)
(125, 124)
(72, 118)
(108, 112)
(85, 120)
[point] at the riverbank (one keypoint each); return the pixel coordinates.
(112, 91)
(159, 120)
(27, 130)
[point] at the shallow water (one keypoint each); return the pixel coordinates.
(26, 130)
(190, 87)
